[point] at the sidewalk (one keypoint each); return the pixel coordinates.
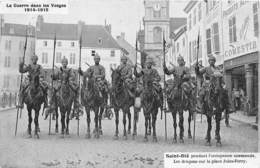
(239, 116)
(7, 108)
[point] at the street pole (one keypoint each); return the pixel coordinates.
(164, 91)
(80, 46)
(21, 80)
(53, 59)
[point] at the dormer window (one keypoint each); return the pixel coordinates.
(100, 41)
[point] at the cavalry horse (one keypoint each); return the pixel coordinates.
(180, 98)
(150, 104)
(121, 99)
(92, 100)
(213, 105)
(34, 98)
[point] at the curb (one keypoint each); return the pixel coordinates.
(7, 109)
(253, 125)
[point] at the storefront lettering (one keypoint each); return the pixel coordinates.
(241, 49)
(234, 7)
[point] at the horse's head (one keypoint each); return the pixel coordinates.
(116, 78)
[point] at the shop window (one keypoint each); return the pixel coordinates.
(232, 29)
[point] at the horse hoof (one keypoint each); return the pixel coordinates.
(218, 144)
(155, 139)
(149, 132)
(208, 143)
(124, 137)
(189, 136)
(181, 141)
(134, 136)
(38, 130)
(100, 132)
(174, 141)
(37, 136)
(88, 136)
(67, 133)
(56, 130)
(29, 136)
(145, 139)
(116, 137)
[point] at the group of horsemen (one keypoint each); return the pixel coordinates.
(98, 72)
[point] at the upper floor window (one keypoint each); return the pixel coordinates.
(7, 61)
(99, 41)
(59, 44)
(215, 36)
(6, 81)
(208, 39)
(157, 13)
(183, 42)
(199, 12)
(189, 20)
(58, 57)
(232, 29)
(11, 30)
(72, 44)
(178, 47)
(44, 58)
(45, 43)
(93, 53)
(112, 53)
(72, 58)
(157, 35)
(194, 16)
(256, 24)
(8, 44)
(21, 45)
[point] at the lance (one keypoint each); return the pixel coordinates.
(194, 113)
(164, 93)
(53, 59)
(80, 46)
(21, 80)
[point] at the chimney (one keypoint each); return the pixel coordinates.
(108, 27)
(39, 22)
(123, 35)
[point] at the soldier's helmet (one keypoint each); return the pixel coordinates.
(34, 57)
(180, 58)
(64, 60)
(123, 57)
(96, 56)
(212, 58)
(149, 60)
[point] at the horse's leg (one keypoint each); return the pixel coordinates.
(67, 120)
(88, 121)
(62, 112)
(146, 116)
(189, 121)
(36, 123)
(96, 110)
(149, 125)
(217, 132)
(124, 123)
(174, 126)
(56, 118)
(154, 116)
(99, 120)
(116, 122)
(208, 138)
(181, 125)
(129, 120)
(29, 130)
(136, 113)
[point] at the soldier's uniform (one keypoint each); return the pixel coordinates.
(33, 69)
(151, 73)
(126, 75)
(65, 74)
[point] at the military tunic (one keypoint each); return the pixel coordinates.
(126, 71)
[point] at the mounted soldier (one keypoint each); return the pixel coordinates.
(179, 96)
(34, 70)
(63, 75)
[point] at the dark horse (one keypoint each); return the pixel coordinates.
(121, 99)
(150, 104)
(180, 98)
(213, 105)
(34, 98)
(63, 99)
(92, 100)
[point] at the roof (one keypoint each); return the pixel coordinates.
(63, 31)
(18, 30)
(128, 49)
(180, 32)
(176, 23)
(92, 35)
(189, 6)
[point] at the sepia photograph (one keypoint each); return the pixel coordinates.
(129, 83)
